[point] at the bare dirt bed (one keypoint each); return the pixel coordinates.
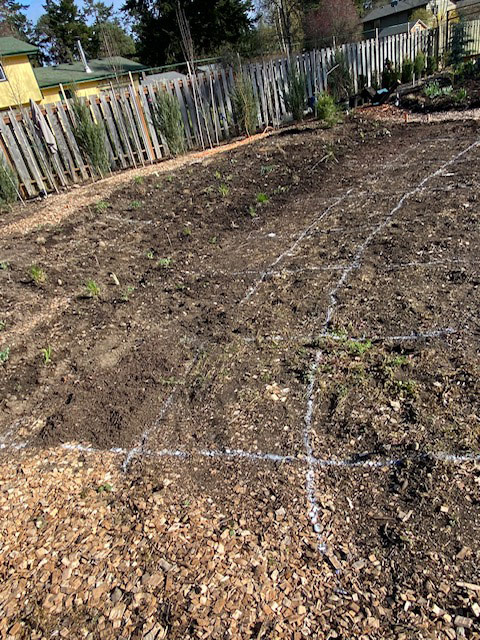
(266, 424)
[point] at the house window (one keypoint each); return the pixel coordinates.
(3, 77)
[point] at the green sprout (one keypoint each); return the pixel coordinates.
(4, 355)
(224, 190)
(164, 263)
(37, 274)
(93, 290)
(101, 206)
(262, 198)
(47, 355)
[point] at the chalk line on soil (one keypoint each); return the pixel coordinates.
(310, 476)
(271, 269)
(361, 460)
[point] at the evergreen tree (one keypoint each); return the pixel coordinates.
(213, 25)
(107, 35)
(59, 28)
(13, 21)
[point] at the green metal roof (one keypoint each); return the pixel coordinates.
(75, 73)
(10, 46)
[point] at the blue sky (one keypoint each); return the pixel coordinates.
(35, 7)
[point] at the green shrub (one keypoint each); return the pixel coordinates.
(167, 118)
(326, 109)
(390, 77)
(419, 65)
(296, 97)
(460, 43)
(244, 105)
(432, 65)
(407, 71)
(434, 90)
(340, 84)
(8, 184)
(90, 136)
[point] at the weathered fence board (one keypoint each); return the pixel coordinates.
(205, 100)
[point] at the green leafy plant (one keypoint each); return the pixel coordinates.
(105, 488)
(8, 184)
(101, 206)
(358, 348)
(407, 70)
(37, 274)
(93, 290)
(164, 263)
(2, 325)
(218, 175)
(244, 105)
(4, 355)
(460, 95)
(432, 65)
(327, 110)
(252, 212)
(4, 266)
(224, 190)
(296, 96)
(434, 90)
(167, 118)
(127, 293)
(187, 231)
(419, 65)
(390, 75)
(139, 180)
(262, 198)
(90, 136)
(136, 204)
(340, 83)
(150, 255)
(47, 355)
(460, 43)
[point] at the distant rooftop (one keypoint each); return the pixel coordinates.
(389, 9)
(75, 73)
(10, 46)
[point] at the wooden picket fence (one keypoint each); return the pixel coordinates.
(127, 114)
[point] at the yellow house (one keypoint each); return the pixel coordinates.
(17, 80)
(20, 82)
(101, 73)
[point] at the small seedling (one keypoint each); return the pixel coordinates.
(359, 348)
(266, 169)
(262, 198)
(187, 231)
(169, 178)
(224, 190)
(93, 290)
(2, 325)
(213, 240)
(101, 206)
(136, 204)
(47, 355)
(329, 155)
(252, 212)
(37, 275)
(127, 293)
(4, 266)
(218, 175)
(4, 355)
(138, 179)
(164, 263)
(150, 255)
(399, 361)
(105, 488)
